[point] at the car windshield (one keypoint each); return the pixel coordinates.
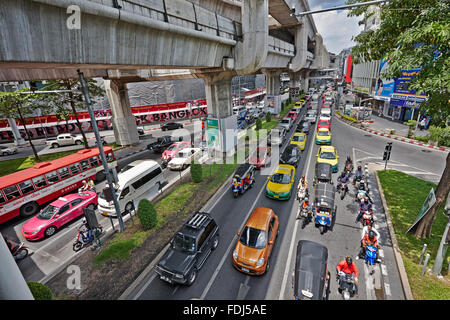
(285, 121)
(298, 138)
(323, 123)
(182, 155)
(48, 212)
(183, 243)
(253, 238)
(281, 178)
(172, 147)
(327, 155)
(323, 133)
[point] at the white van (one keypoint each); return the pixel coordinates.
(133, 185)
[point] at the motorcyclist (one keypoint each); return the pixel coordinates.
(347, 266)
(304, 205)
(348, 161)
(365, 205)
(303, 183)
(366, 231)
(342, 179)
(85, 228)
(358, 174)
(370, 239)
(9, 244)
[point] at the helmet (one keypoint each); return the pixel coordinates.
(366, 201)
(359, 168)
(343, 174)
(372, 234)
(303, 177)
(84, 220)
(348, 259)
(306, 199)
(84, 181)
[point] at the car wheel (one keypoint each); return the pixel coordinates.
(29, 209)
(215, 242)
(4, 154)
(78, 142)
(91, 206)
(192, 277)
(267, 267)
(50, 231)
(128, 207)
(55, 145)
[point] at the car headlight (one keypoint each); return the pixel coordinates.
(37, 230)
(260, 262)
(235, 254)
(179, 276)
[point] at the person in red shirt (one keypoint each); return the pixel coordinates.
(348, 266)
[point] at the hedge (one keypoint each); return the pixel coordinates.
(40, 291)
(147, 214)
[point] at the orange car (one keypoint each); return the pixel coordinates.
(256, 240)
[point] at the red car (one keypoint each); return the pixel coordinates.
(261, 157)
(173, 149)
(293, 115)
(324, 124)
(58, 213)
(326, 105)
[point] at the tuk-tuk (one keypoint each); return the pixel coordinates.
(324, 210)
(311, 276)
(323, 173)
(243, 178)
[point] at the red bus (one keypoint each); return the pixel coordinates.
(24, 192)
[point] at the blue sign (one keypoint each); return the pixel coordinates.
(404, 97)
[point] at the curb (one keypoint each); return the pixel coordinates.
(398, 138)
(396, 250)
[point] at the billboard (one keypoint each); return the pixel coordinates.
(212, 129)
(384, 87)
(404, 97)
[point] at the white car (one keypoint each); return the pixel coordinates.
(65, 139)
(325, 117)
(184, 158)
(286, 123)
(311, 117)
(6, 151)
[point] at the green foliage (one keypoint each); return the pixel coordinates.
(147, 214)
(196, 172)
(268, 117)
(411, 39)
(40, 291)
(258, 124)
(441, 135)
(350, 119)
(422, 138)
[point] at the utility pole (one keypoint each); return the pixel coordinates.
(100, 148)
(387, 153)
(442, 252)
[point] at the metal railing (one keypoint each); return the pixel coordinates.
(181, 13)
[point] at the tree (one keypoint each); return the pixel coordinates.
(414, 33)
(196, 172)
(69, 103)
(14, 105)
(147, 214)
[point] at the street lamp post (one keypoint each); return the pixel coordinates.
(100, 148)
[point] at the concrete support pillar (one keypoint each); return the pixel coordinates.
(305, 80)
(18, 140)
(273, 89)
(294, 84)
(220, 107)
(124, 123)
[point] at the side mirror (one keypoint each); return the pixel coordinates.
(56, 216)
(271, 242)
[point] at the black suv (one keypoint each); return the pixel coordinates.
(189, 249)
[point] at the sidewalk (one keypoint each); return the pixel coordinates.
(386, 125)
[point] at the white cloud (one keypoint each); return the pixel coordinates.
(337, 29)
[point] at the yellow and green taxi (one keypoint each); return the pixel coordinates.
(328, 154)
(299, 139)
(299, 104)
(323, 136)
(281, 182)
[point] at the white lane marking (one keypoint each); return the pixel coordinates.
(289, 258)
(369, 285)
(144, 287)
(387, 289)
(381, 253)
(384, 270)
(227, 253)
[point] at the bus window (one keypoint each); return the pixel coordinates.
(52, 177)
(64, 172)
(109, 157)
(75, 168)
(2, 199)
(11, 192)
(84, 165)
(39, 182)
(94, 161)
(26, 186)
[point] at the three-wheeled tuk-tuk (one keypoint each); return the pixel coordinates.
(323, 173)
(243, 178)
(324, 209)
(311, 276)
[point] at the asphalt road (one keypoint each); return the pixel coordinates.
(218, 279)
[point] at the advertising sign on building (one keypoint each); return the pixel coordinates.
(212, 129)
(404, 97)
(385, 87)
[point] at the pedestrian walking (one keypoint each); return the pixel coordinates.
(423, 123)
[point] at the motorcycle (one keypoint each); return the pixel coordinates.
(302, 193)
(80, 190)
(304, 214)
(367, 218)
(347, 286)
(83, 239)
(371, 255)
(20, 251)
(342, 188)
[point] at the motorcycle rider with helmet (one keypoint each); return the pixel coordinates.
(370, 239)
(342, 180)
(358, 174)
(347, 266)
(303, 183)
(304, 206)
(366, 231)
(363, 206)
(85, 228)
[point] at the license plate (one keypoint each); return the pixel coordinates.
(105, 214)
(165, 279)
(245, 269)
(276, 196)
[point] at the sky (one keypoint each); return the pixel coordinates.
(335, 27)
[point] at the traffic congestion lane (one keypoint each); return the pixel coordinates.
(218, 279)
